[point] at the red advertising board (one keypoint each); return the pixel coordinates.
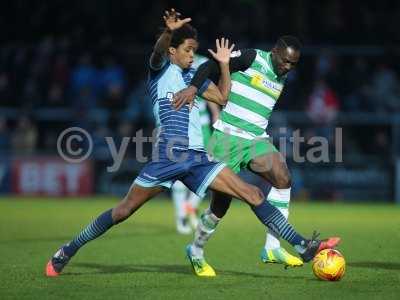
(47, 176)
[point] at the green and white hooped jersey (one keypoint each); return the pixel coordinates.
(251, 100)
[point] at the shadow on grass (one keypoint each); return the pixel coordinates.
(255, 275)
(147, 229)
(375, 265)
(119, 269)
(176, 269)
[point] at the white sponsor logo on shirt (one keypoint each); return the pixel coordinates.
(236, 53)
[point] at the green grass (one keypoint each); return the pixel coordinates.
(143, 258)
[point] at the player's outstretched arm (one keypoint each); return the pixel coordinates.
(214, 110)
(222, 55)
(172, 22)
(240, 61)
(212, 93)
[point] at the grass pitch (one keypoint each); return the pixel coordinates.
(144, 258)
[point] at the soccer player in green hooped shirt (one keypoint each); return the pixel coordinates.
(240, 138)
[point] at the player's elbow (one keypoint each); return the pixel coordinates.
(223, 100)
(217, 98)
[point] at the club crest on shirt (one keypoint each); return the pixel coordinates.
(170, 96)
(236, 53)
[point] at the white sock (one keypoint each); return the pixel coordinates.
(206, 227)
(179, 193)
(280, 198)
(194, 200)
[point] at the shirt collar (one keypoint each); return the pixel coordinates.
(271, 67)
(177, 67)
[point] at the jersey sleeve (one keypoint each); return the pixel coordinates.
(240, 61)
(154, 73)
(204, 87)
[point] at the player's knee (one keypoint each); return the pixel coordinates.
(256, 196)
(283, 181)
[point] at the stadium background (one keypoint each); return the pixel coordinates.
(83, 64)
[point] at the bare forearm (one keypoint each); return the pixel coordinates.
(160, 48)
(224, 83)
(214, 110)
(163, 42)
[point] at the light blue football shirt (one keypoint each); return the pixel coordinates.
(180, 130)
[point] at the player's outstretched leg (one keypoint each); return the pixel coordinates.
(193, 208)
(229, 183)
(179, 193)
(273, 252)
(275, 221)
(135, 198)
(272, 167)
(199, 264)
(206, 226)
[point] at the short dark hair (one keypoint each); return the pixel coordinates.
(180, 35)
(288, 41)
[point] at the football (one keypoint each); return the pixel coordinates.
(329, 264)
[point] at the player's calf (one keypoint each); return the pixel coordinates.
(133, 200)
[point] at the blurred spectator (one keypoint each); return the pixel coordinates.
(139, 106)
(125, 131)
(324, 64)
(114, 98)
(112, 74)
(381, 143)
(55, 96)
(61, 71)
(357, 78)
(58, 83)
(24, 137)
(6, 96)
(384, 90)
(328, 67)
(49, 140)
(4, 136)
(84, 100)
(323, 107)
(84, 76)
(112, 79)
(31, 93)
(100, 146)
